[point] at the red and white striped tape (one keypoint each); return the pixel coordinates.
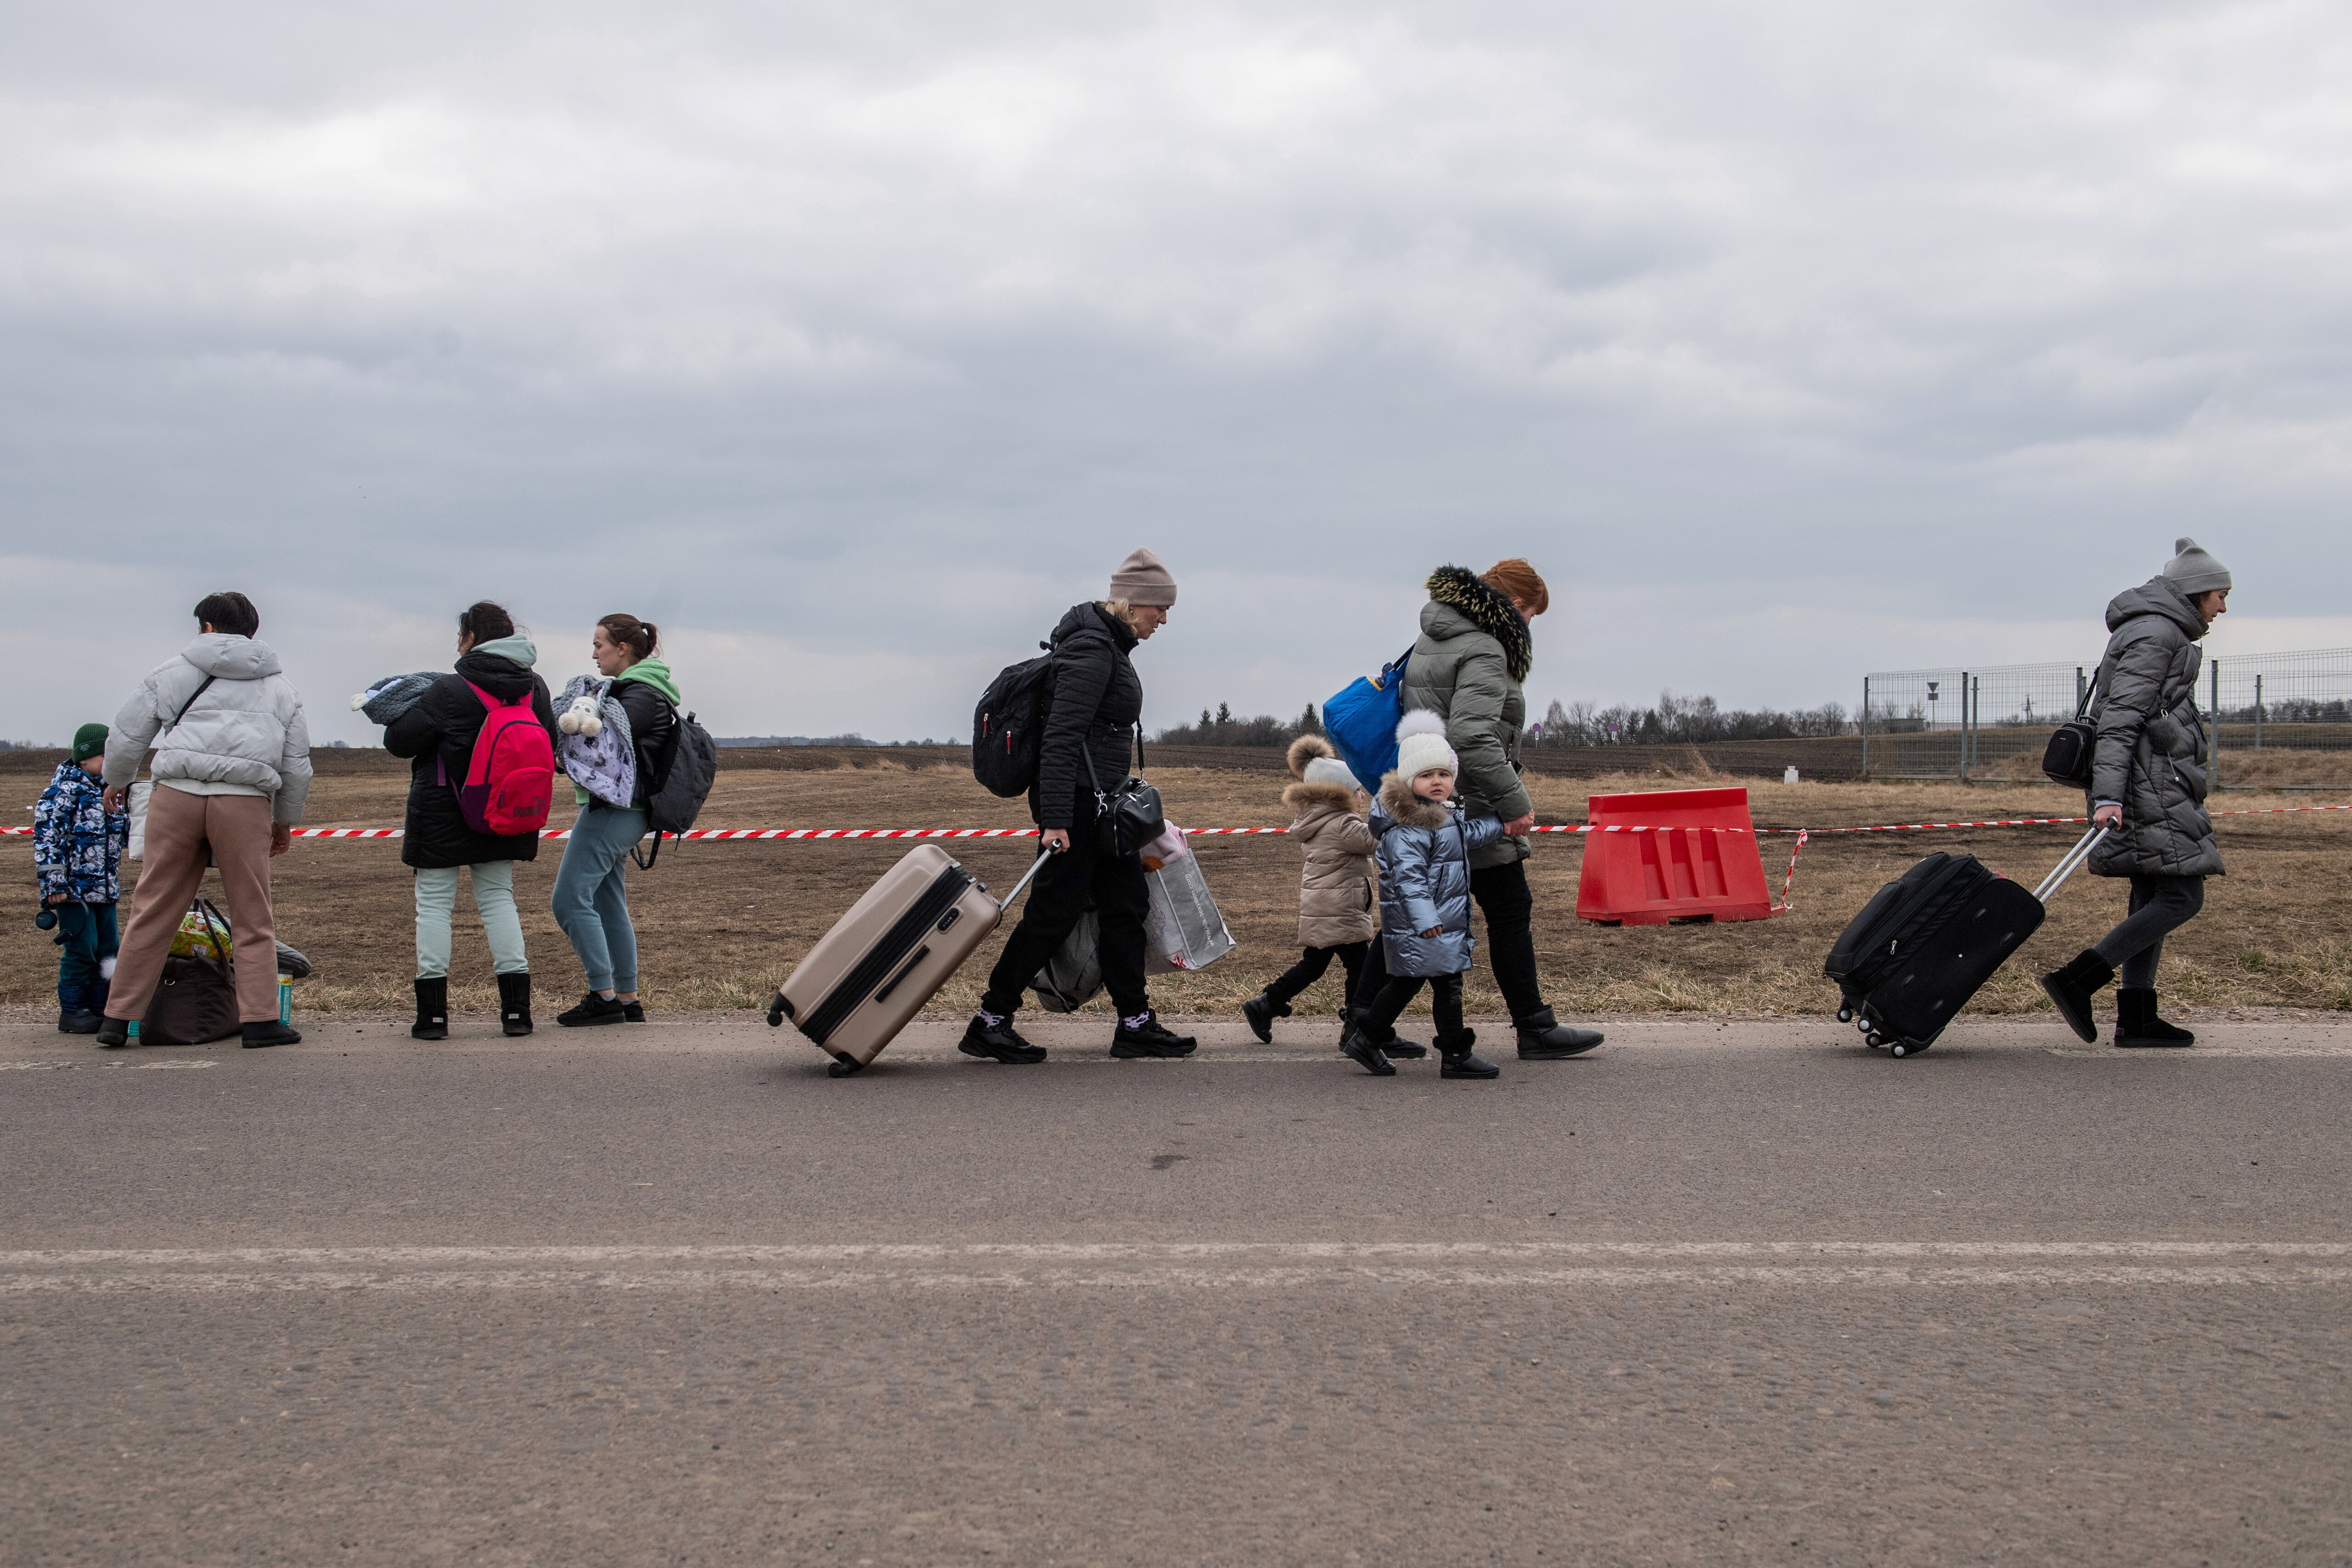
(788, 833)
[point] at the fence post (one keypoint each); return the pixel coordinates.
(1976, 717)
(2078, 688)
(1964, 727)
(2214, 759)
(1865, 726)
(2258, 713)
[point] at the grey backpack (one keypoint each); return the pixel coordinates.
(595, 750)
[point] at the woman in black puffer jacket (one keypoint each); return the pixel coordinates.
(438, 734)
(1096, 703)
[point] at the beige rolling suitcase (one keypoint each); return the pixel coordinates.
(888, 956)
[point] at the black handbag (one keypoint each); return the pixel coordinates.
(2073, 745)
(195, 1000)
(1128, 815)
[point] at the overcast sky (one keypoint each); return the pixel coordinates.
(853, 342)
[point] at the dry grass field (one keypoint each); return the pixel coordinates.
(720, 923)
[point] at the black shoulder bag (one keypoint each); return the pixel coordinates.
(2073, 745)
(1129, 816)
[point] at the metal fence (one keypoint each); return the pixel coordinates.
(2274, 720)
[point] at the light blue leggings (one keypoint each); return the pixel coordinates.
(436, 903)
(592, 896)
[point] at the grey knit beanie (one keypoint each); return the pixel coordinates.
(1142, 578)
(2194, 572)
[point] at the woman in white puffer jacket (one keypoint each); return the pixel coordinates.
(232, 770)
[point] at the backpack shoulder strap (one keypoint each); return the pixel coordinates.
(201, 686)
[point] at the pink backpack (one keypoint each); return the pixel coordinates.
(511, 783)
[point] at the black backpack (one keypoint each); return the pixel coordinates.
(1009, 726)
(689, 762)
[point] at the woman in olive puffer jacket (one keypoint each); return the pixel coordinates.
(2148, 780)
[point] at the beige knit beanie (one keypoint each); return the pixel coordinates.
(1143, 579)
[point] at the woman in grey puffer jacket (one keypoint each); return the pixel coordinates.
(2148, 780)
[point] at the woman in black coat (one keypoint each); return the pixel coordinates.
(1098, 700)
(438, 735)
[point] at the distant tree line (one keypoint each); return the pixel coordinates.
(1680, 721)
(1222, 728)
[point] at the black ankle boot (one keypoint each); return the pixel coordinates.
(2071, 988)
(432, 1010)
(514, 1002)
(2137, 1025)
(1261, 1010)
(1358, 1048)
(1457, 1061)
(1388, 1041)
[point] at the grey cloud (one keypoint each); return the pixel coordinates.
(1775, 334)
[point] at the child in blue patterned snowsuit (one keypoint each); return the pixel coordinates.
(77, 849)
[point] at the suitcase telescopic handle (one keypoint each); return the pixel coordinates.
(1034, 867)
(2066, 868)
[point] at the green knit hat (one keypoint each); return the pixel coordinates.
(88, 741)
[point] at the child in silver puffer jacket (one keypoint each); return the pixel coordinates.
(1425, 841)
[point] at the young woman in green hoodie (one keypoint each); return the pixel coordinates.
(592, 901)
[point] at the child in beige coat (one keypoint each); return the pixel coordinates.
(1339, 889)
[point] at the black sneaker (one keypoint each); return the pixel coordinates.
(593, 1009)
(260, 1035)
(633, 1012)
(999, 1042)
(74, 1021)
(1151, 1039)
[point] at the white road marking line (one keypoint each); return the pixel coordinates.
(1208, 1265)
(103, 1066)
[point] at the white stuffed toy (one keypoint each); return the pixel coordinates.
(580, 717)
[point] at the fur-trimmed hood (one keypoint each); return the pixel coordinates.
(1489, 609)
(1408, 809)
(1303, 796)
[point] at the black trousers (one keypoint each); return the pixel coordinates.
(2159, 906)
(1503, 896)
(1312, 962)
(1115, 885)
(1389, 1004)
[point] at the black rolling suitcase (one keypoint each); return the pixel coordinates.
(1929, 939)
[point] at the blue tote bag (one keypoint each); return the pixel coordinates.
(1360, 722)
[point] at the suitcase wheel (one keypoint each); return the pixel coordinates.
(1904, 1049)
(1874, 1040)
(842, 1066)
(776, 1010)
(1845, 1014)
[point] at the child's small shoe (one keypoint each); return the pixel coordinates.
(1360, 1050)
(1261, 1010)
(1456, 1059)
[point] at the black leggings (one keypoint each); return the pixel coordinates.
(2159, 906)
(1312, 962)
(1389, 1004)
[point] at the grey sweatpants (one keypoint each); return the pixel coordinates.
(2159, 906)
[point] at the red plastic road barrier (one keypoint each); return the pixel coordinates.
(1674, 857)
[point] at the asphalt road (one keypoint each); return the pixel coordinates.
(667, 1293)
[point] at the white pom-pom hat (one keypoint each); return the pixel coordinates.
(1421, 745)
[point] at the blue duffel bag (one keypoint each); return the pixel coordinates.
(1360, 722)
